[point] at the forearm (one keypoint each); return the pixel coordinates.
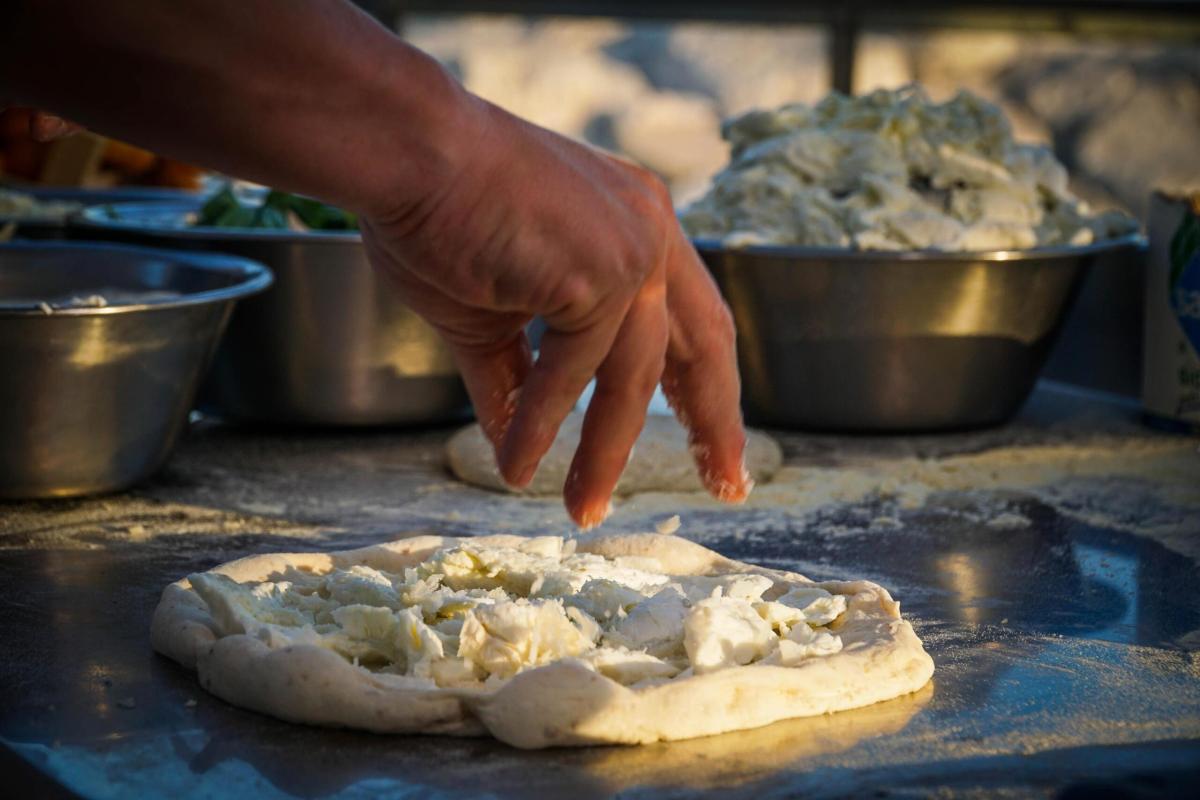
(307, 95)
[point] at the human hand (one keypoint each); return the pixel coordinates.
(531, 223)
(483, 220)
(46, 127)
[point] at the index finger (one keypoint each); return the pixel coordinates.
(566, 361)
(701, 378)
(493, 377)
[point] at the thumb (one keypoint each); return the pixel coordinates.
(44, 127)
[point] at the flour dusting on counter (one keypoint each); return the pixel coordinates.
(1143, 486)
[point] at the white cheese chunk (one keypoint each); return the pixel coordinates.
(367, 622)
(818, 606)
(654, 625)
(241, 609)
(723, 632)
(507, 637)
(531, 571)
(361, 584)
(586, 624)
(628, 666)
(747, 586)
(420, 643)
(802, 643)
(605, 600)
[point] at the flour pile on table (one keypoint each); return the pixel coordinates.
(473, 614)
(892, 170)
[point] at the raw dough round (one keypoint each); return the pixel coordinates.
(660, 461)
(562, 703)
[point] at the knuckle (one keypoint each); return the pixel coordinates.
(649, 195)
(648, 232)
(721, 332)
(632, 391)
(574, 292)
(639, 255)
(723, 326)
(726, 327)
(663, 196)
(657, 198)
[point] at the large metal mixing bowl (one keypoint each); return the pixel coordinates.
(329, 344)
(93, 399)
(872, 341)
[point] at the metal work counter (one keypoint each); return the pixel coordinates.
(1063, 624)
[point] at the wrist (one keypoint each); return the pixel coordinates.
(429, 125)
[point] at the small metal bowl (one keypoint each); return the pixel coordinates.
(879, 341)
(55, 226)
(329, 344)
(93, 398)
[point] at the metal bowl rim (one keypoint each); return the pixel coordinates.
(255, 278)
(800, 252)
(93, 217)
(88, 197)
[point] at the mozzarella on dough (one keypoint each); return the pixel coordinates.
(654, 625)
(477, 613)
(505, 638)
(265, 633)
(723, 632)
(629, 666)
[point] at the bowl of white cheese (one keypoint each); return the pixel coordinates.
(894, 264)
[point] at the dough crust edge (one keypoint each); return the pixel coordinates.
(561, 704)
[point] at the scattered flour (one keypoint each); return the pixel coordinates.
(1148, 486)
(1008, 520)
(97, 523)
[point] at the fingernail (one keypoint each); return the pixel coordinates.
(47, 128)
(734, 492)
(594, 517)
(524, 477)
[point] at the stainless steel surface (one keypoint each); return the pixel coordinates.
(864, 341)
(55, 228)
(1062, 649)
(329, 344)
(93, 399)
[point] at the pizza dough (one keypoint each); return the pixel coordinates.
(660, 461)
(605, 639)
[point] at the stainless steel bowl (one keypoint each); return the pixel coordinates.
(93, 399)
(872, 341)
(329, 344)
(55, 227)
